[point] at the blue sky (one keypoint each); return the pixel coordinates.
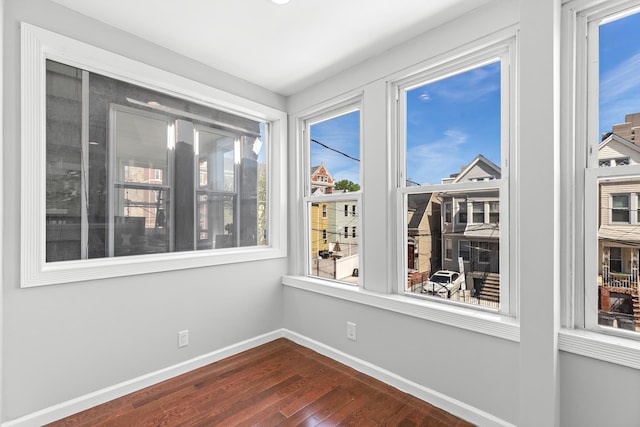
(341, 133)
(619, 70)
(451, 121)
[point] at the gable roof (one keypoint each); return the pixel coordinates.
(479, 161)
(617, 138)
(419, 205)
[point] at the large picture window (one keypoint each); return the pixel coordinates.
(156, 174)
(454, 127)
(133, 171)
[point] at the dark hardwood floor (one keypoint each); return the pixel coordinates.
(279, 383)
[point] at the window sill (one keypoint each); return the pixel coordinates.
(600, 346)
(37, 274)
(492, 324)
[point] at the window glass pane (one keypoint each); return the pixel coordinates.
(335, 154)
(462, 212)
(154, 173)
(478, 212)
(334, 242)
(216, 160)
(141, 221)
(620, 208)
(494, 212)
(449, 122)
(437, 249)
(618, 254)
(619, 100)
(618, 202)
(64, 160)
(453, 136)
(464, 250)
(334, 148)
(216, 221)
(141, 148)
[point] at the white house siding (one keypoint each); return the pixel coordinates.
(614, 187)
(615, 150)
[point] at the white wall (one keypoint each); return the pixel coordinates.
(64, 341)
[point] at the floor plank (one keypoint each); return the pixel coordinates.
(276, 384)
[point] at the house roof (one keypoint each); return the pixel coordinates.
(419, 205)
(479, 160)
(612, 137)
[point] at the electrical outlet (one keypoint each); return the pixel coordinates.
(183, 338)
(351, 331)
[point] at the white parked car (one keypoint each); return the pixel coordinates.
(443, 283)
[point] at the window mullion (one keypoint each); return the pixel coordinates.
(84, 170)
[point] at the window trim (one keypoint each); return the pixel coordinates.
(37, 45)
(501, 48)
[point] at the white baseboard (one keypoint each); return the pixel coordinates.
(99, 397)
(64, 409)
(447, 403)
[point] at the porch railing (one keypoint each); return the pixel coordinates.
(620, 280)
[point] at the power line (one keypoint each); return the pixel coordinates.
(333, 149)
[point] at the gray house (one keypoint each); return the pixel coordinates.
(471, 228)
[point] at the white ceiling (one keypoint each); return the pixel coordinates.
(282, 48)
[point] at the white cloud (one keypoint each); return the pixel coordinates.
(430, 162)
(620, 80)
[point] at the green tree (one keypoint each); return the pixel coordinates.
(345, 184)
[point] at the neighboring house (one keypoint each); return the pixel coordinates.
(334, 229)
(423, 236)
(321, 180)
(321, 183)
(319, 228)
(619, 235)
(343, 224)
(471, 226)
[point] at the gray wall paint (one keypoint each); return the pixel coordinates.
(525, 384)
(594, 393)
(479, 370)
(65, 341)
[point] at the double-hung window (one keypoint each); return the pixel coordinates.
(454, 131)
(124, 176)
(607, 116)
(332, 158)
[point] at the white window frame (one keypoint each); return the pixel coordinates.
(323, 113)
(505, 52)
(37, 46)
(581, 174)
(630, 209)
